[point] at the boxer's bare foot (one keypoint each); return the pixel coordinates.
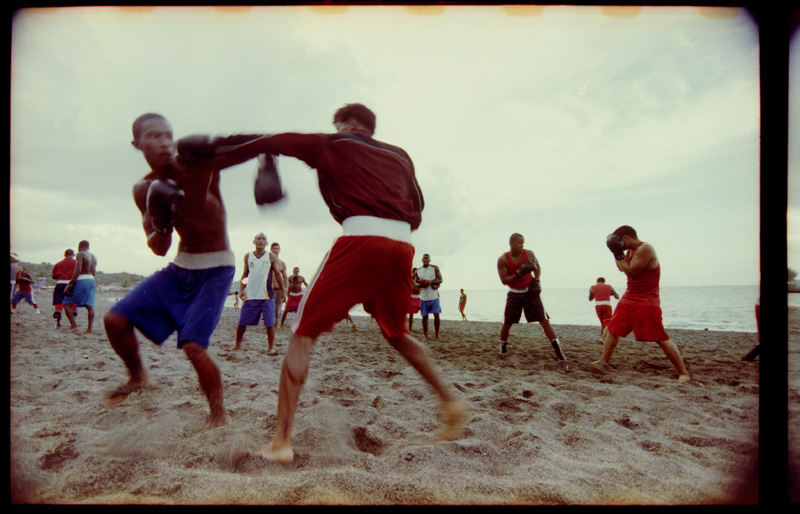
(453, 414)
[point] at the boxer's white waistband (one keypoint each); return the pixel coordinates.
(518, 290)
(603, 302)
(205, 260)
(374, 226)
(85, 276)
(62, 281)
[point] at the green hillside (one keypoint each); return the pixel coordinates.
(43, 270)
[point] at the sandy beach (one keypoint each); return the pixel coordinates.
(365, 432)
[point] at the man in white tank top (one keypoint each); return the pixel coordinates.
(428, 278)
(255, 289)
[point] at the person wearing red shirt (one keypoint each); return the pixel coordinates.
(639, 309)
(62, 273)
(519, 269)
(601, 293)
(24, 290)
(371, 190)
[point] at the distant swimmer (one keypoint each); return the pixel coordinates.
(639, 309)
(462, 304)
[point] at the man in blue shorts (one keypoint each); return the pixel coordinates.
(189, 294)
(428, 278)
(80, 290)
(258, 296)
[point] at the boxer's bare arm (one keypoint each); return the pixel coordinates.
(643, 258)
(157, 242)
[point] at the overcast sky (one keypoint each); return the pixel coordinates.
(561, 123)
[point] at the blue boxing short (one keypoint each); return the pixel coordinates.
(189, 301)
(253, 310)
(83, 292)
(429, 307)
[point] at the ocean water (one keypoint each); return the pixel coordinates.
(720, 308)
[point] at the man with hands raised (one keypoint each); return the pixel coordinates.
(519, 270)
(639, 309)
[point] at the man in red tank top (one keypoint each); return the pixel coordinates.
(639, 309)
(601, 293)
(519, 270)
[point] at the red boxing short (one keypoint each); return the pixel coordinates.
(644, 321)
(604, 313)
(370, 270)
(293, 302)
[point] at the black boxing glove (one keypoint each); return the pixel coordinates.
(525, 268)
(617, 246)
(267, 188)
(162, 204)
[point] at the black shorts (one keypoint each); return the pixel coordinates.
(58, 294)
(530, 302)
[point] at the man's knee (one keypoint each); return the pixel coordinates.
(295, 364)
(193, 350)
(405, 345)
(114, 322)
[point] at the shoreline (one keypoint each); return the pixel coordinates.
(366, 423)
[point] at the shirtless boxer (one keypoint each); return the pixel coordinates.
(187, 296)
(80, 291)
(296, 283)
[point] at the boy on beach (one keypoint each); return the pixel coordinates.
(639, 309)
